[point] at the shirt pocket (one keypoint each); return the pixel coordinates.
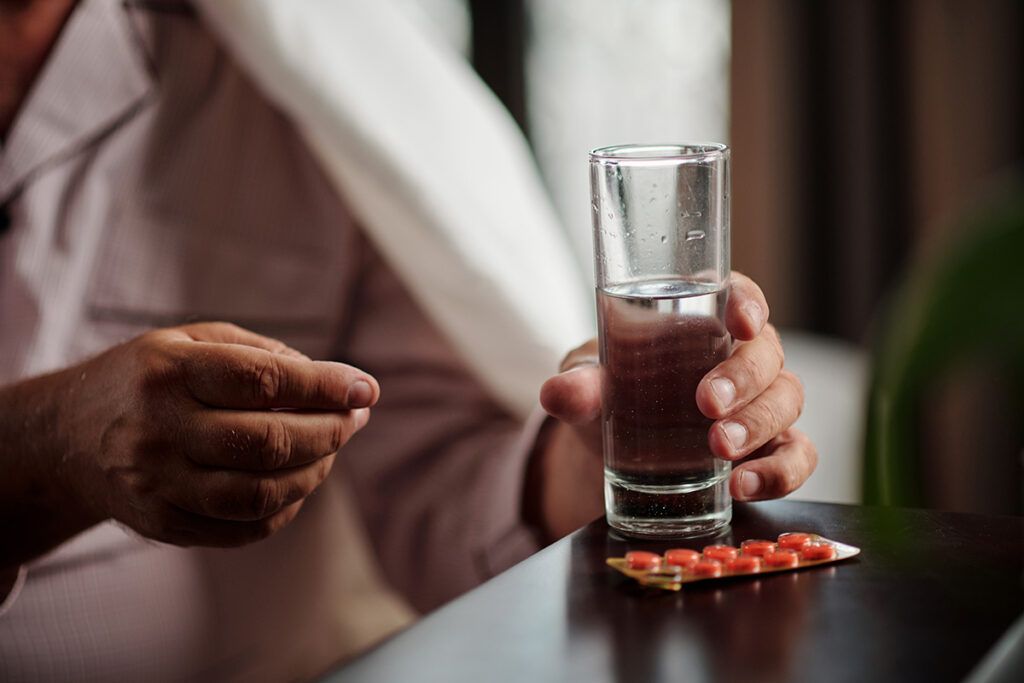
(151, 274)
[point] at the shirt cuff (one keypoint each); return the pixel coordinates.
(6, 603)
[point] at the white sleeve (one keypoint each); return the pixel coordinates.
(434, 169)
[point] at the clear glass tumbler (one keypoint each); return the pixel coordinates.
(661, 257)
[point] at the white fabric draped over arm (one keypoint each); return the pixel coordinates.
(434, 169)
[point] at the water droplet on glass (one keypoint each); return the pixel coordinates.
(694, 235)
(611, 215)
(664, 239)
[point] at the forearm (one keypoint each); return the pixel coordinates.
(565, 484)
(37, 508)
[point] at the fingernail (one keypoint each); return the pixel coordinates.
(581, 365)
(750, 484)
(736, 433)
(362, 416)
(754, 312)
(724, 390)
(360, 394)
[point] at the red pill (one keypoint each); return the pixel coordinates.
(757, 548)
(818, 551)
(744, 564)
(722, 553)
(641, 559)
(782, 558)
(707, 568)
(682, 557)
(794, 541)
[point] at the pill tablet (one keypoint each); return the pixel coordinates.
(722, 553)
(641, 559)
(744, 564)
(794, 541)
(818, 551)
(707, 568)
(782, 558)
(757, 547)
(682, 557)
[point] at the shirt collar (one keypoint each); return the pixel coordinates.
(95, 78)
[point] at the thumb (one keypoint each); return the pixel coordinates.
(574, 395)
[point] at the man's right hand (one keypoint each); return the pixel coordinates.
(205, 434)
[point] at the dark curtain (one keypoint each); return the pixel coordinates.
(858, 129)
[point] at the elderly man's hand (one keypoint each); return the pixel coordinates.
(205, 434)
(752, 400)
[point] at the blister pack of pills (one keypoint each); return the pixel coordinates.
(670, 571)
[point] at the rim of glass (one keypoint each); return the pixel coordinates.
(678, 152)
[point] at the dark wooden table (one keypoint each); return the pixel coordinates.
(929, 595)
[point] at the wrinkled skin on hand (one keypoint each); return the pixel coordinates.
(207, 434)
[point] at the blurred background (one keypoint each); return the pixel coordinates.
(865, 136)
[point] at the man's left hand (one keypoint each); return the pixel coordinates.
(751, 398)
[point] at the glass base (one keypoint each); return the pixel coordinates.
(684, 511)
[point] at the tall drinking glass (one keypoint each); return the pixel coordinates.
(661, 255)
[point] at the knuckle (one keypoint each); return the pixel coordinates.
(746, 372)
(155, 361)
(585, 353)
(268, 526)
(798, 389)
(340, 432)
(767, 421)
(323, 468)
(267, 498)
(267, 380)
(276, 445)
(791, 392)
(787, 480)
(810, 452)
(791, 480)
